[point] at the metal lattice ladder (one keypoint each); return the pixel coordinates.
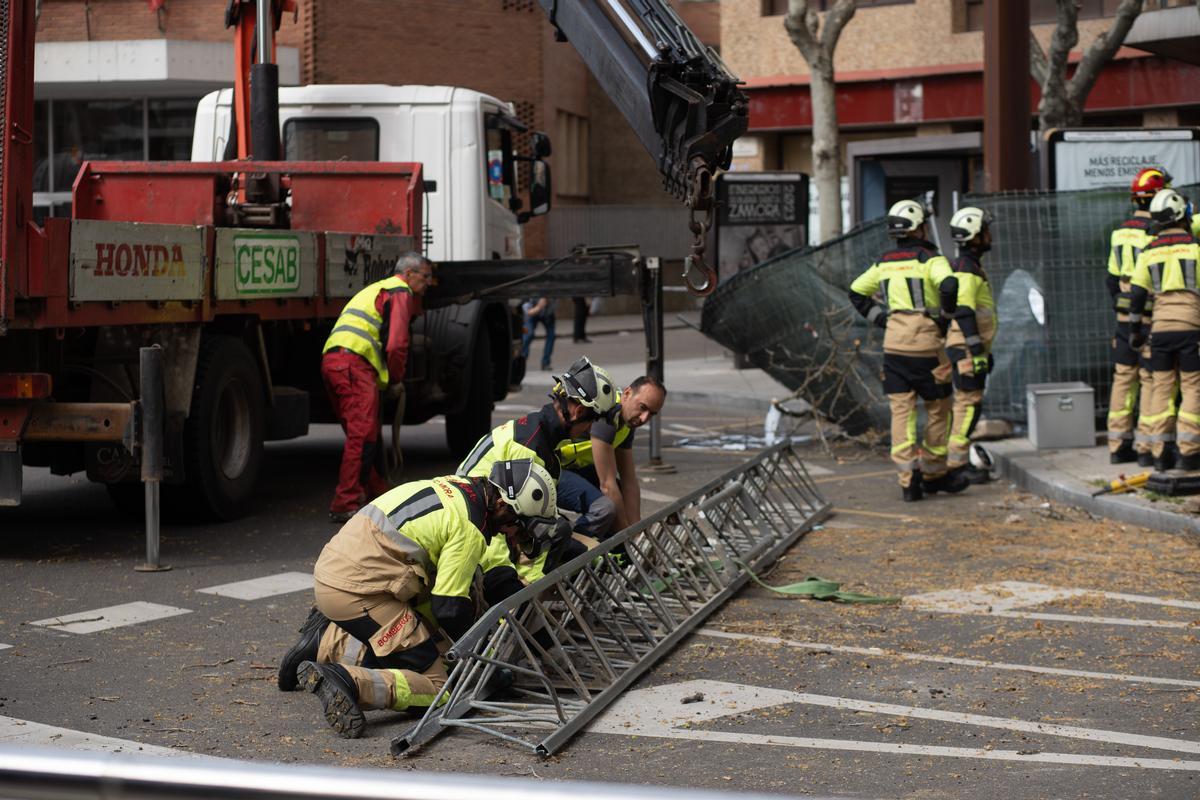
(577, 638)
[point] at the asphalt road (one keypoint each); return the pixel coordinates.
(1029, 690)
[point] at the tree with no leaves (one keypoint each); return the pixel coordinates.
(1063, 99)
(816, 42)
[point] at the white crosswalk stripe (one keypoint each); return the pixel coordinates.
(268, 586)
(101, 619)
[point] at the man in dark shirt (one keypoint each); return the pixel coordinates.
(599, 479)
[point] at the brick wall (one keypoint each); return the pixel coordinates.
(105, 20)
(886, 37)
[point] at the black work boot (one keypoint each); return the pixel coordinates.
(1124, 454)
(974, 474)
(305, 649)
(914, 491)
(1190, 462)
(1166, 461)
(950, 483)
(338, 694)
(1145, 459)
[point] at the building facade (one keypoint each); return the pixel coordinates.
(910, 92)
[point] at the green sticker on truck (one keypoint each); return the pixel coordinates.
(254, 264)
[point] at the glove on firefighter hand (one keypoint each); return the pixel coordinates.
(980, 364)
(1137, 338)
(395, 391)
(881, 320)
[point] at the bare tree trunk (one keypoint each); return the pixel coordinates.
(826, 153)
(1063, 100)
(817, 44)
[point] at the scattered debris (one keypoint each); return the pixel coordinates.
(692, 698)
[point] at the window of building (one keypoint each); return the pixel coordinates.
(777, 8)
(571, 155)
(69, 132)
(331, 139)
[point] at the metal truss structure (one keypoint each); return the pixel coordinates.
(535, 669)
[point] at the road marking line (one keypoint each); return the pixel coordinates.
(21, 732)
(879, 514)
(659, 712)
(965, 662)
(267, 586)
(101, 619)
(852, 475)
(656, 497)
(5, 646)
(999, 600)
(679, 426)
(513, 407)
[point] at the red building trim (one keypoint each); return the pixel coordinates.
(952, 96)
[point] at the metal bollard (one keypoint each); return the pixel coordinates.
(652, 320)
(153, 416)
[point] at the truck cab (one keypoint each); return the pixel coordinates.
(462, 138)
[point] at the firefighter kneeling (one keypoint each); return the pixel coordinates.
(1167, 269)
(398, 575)
(918, 286)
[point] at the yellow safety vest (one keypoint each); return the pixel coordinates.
(359, 327)
(975, 293)
(1168, 264)
(577, 454)
(909, 278)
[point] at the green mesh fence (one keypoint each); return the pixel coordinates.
(791, 318)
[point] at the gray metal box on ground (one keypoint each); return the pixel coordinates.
(1060, 415)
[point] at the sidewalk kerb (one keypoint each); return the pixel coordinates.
(1051, 484)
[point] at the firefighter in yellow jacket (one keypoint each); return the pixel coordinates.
(918, 289)
(969, 340)
(1166, 269)
(414, 549)
(1131, 381)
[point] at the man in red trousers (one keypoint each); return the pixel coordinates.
(365, 354)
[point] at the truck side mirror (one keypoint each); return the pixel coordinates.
(540, 191)
(540, 143)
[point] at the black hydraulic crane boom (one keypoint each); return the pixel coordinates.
(675, 92)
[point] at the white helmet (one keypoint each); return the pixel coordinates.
(526, 486)
(968, 222)
(905, 217)
(590, 385)
(980, 458)
(1168, 206)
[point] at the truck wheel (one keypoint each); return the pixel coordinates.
(223, 435)
(466, 427)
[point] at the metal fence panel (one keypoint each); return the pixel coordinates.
(790, 315)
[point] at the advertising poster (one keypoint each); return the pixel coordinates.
(760, 215)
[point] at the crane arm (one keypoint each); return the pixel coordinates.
(676, 93)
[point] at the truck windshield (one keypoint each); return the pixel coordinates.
(331, 139)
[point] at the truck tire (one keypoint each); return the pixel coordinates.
(466, 427)
(223, 435)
